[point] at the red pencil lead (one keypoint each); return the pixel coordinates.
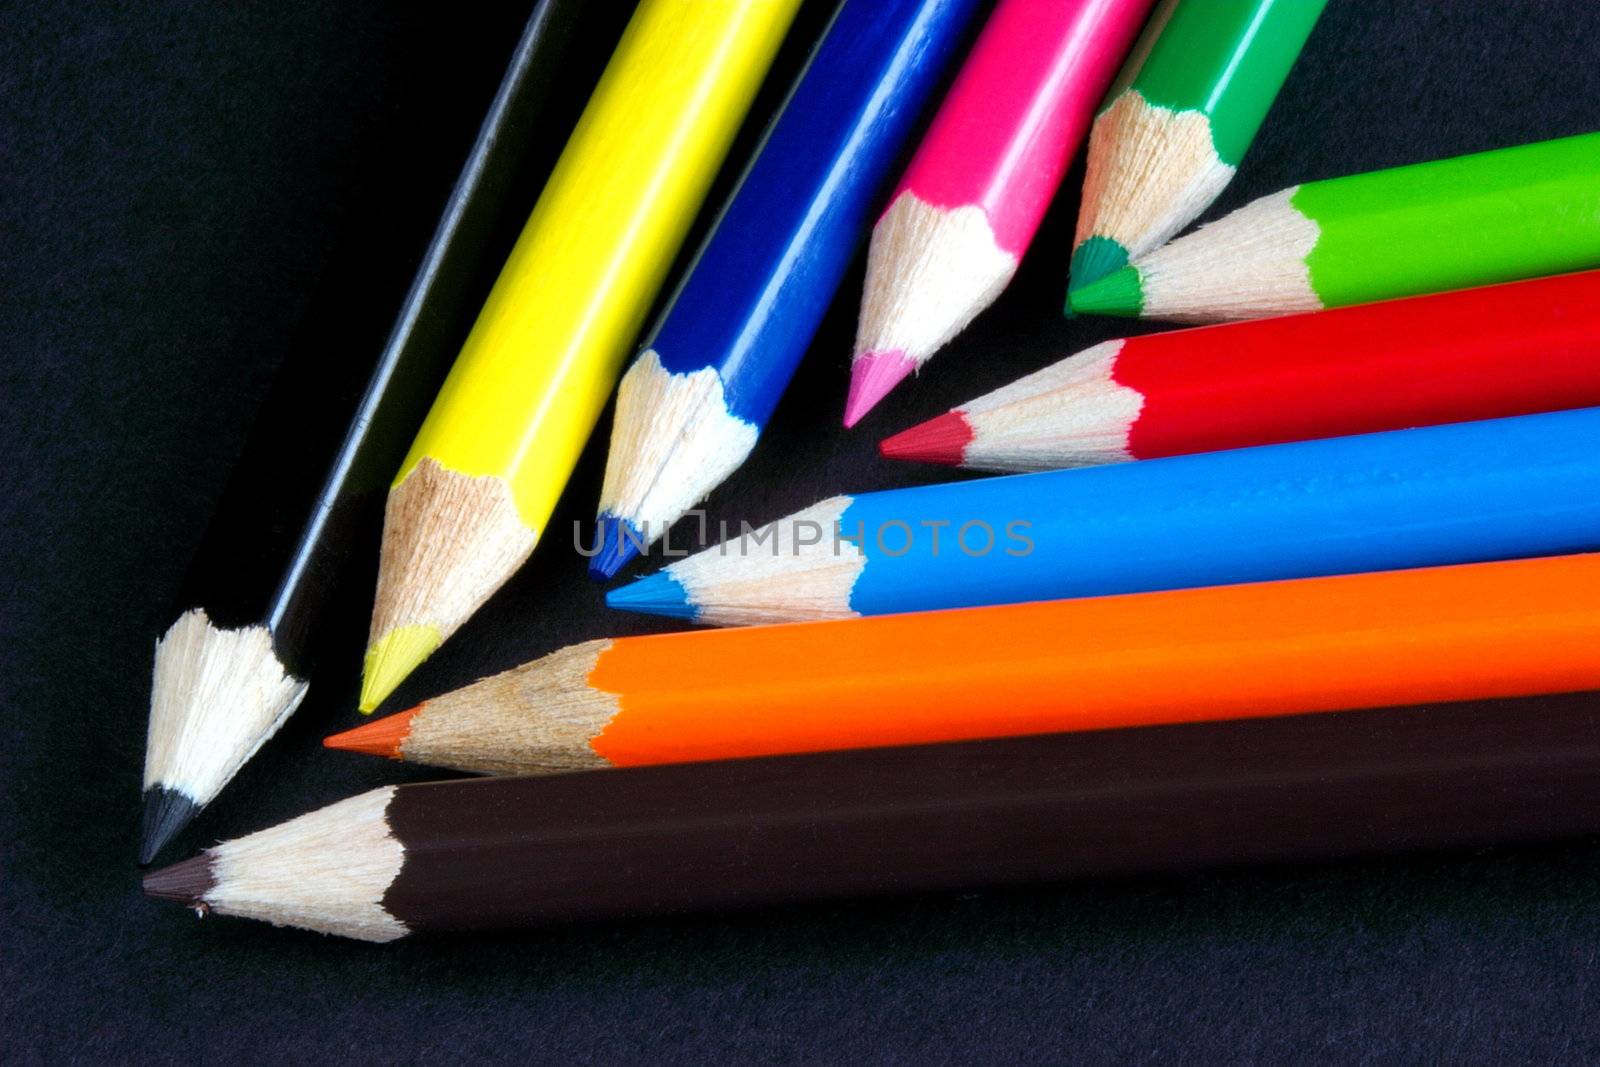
(939, 440)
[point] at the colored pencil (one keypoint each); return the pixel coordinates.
(238, 659)
(495, 452)
(1513, 213)
(972, 199)
(1509, 349)
(1459, 493)
(693, 404)
(1312, 644)
(1179, 119)
(498, 852)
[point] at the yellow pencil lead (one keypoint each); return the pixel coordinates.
(391, 659)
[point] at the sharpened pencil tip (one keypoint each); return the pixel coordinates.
(385, 737)
(1094, 259)
(1119, 293)
(658, 594)
(872, 376)
(939, 440)
(166, 812)
(620, 541)
(185, 882)
(391, 659)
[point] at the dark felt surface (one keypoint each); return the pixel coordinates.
(193, 193)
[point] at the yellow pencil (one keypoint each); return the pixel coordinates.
(486, 469)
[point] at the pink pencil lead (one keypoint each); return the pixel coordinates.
(872, 376)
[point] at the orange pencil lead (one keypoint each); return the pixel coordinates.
(381, 738)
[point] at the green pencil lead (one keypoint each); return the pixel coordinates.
(1119, 293)
(1095, 258)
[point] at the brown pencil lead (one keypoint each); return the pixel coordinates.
(185, 882)
(381, 738)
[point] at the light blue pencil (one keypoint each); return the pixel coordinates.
(1496, 489)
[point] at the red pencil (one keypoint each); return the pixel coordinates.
(1503, 350)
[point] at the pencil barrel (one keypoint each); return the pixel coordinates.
(1226, 59)
(1406, 498)
(1494, 216)
(1498, 351)
(495, 853)
(1506, 629)
(577, 285)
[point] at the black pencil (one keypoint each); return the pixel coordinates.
(237, 660)
(498, 852)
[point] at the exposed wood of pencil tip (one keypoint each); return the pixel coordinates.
(1246, 265)
(539, 718)
(791, 570)
(673, 441)
(1073, 413)
(326, 871)
(930, 270)
(217, 696)
(449, 541)
(1150, 171)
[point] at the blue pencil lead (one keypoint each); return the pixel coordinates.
(658, 594)
(620, 544)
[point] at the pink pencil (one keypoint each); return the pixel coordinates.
(972, 199)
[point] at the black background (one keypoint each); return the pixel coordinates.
(192, 194)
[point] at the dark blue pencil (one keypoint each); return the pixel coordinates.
(693, 404)
(1495, 489)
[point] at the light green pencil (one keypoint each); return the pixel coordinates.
(1473, 220)
(1178, 120)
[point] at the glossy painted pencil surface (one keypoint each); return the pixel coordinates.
(1478, 630)
(238, 660)
(503, 852)
(692, 406)
(1502, 350)
(484, 473)
(1179, 119)
(973, 197)
(1459, 493)
(1512, 213)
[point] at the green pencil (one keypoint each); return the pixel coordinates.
(1178, 120)
(1490, 217)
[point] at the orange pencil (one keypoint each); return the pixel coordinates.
(1323, 644)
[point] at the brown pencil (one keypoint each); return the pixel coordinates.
(512, 851)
